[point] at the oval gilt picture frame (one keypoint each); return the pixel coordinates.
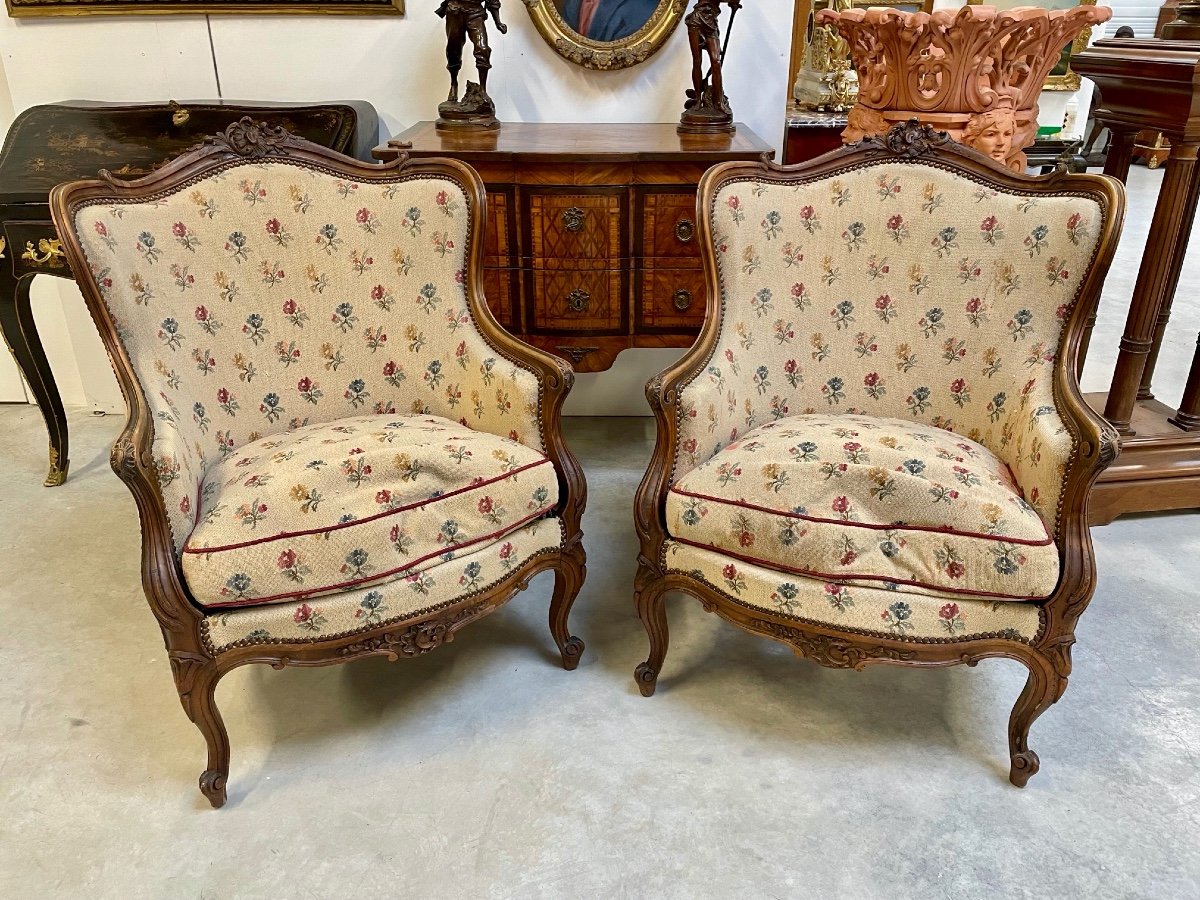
(612, 34)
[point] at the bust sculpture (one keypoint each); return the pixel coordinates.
(468, 19)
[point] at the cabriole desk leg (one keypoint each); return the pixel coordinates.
(16, 324)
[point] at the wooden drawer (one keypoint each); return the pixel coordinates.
(671, 299)
(576, 299)
(669, 225)
(575, 226)
(500, 288)
(499, 239)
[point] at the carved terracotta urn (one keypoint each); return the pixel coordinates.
(975, 72)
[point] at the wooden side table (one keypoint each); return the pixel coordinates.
(592, 244)
(60, 142)
(808, 134)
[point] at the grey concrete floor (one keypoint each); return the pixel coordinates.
(484, 770)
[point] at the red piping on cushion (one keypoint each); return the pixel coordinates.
(842, 579)
(331, 588)
(742, 504)
(287, 535)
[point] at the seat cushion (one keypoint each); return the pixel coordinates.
(361, 501)
(868, 500)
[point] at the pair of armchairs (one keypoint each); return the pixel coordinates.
(875, 452)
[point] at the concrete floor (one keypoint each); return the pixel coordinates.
(484, 770)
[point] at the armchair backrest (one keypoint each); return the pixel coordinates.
(915, 281)
(260, 284)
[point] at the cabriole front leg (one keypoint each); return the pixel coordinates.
(652, 610)
(20, 334)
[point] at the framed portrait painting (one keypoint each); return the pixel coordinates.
(606, 34)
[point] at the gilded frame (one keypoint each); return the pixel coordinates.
(1070, 79)
(606, 55)
(21, 9)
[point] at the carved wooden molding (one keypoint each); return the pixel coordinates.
(418, 638)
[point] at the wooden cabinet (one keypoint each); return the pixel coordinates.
(593, 244)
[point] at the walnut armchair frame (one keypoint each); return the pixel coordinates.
(1095, 446)
(195, 666)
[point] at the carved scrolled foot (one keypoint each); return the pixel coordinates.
(651, 609)
(568, 579)
(212, 786)
(571, 652)
(646, 678)
(1024, 766)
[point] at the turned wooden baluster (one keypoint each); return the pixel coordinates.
(1150, 291)
(1176, 267)
(1117, 160)
(1188, 416)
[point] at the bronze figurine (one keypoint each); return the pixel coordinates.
(468, 18)
(707, 108)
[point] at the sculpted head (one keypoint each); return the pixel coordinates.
(991, 132)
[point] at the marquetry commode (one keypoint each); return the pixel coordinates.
(592, 245)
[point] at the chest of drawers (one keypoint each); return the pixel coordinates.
(592, 243)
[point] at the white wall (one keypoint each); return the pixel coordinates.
(396, 63)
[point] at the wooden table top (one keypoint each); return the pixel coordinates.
(584, 142)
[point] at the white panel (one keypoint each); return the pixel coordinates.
(136, 59)
(102, 58)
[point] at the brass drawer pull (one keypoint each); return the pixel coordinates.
(49, 252)
(685, 230)
(573, 219)
(682, 299)
(578, 300)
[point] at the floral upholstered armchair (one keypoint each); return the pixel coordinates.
(335, 450)
(877, 451)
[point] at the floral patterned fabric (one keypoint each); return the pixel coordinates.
(271, 296)
(865, 500)
(362, 501)
(436, 585)
(872, 610)
(898, 290)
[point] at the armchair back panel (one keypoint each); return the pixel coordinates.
(272, 295)
(898, 289)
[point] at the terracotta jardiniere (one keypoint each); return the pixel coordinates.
(975, 72)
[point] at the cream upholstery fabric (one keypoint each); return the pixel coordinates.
(895, 290)
(437, 585)
(866, 500)
(270, 296)
(854, 607)
(362, 501)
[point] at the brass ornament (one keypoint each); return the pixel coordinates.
(49, 253)
(578, 300)
(573, 219)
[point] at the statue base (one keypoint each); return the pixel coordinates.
(475, 111)
(704, 116)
